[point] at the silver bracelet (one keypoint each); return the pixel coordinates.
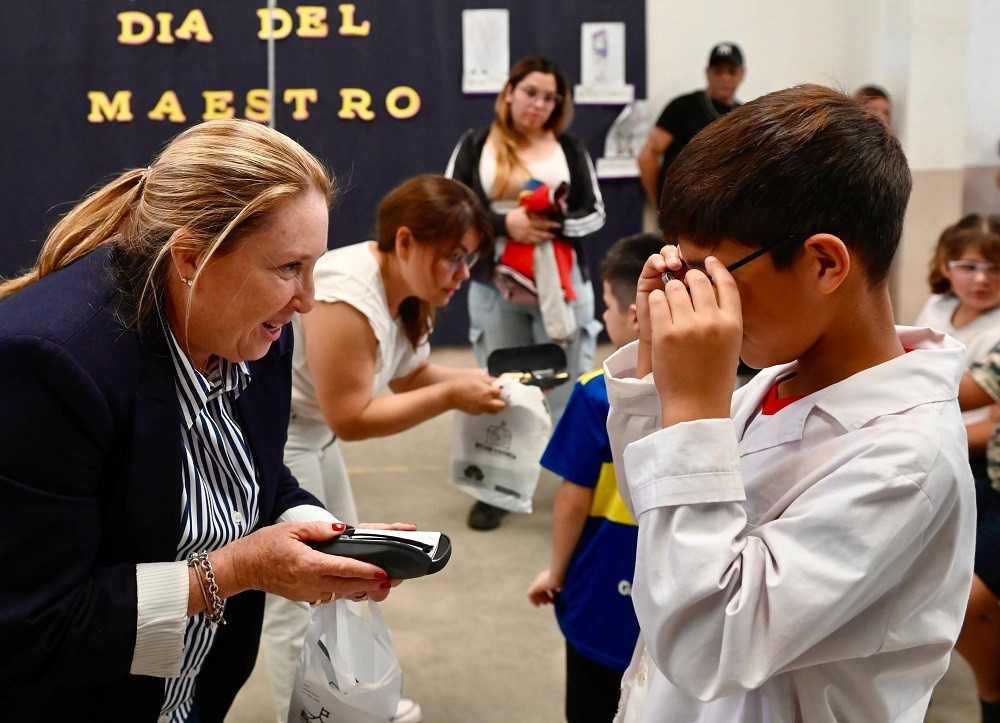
(216, 606)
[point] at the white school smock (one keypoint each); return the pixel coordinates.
(813, 565)
(351, 275)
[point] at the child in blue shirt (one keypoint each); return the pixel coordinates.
(593, 536)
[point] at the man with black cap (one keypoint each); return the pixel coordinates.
(687, 114)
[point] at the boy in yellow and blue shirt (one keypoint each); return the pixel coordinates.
(594, 538)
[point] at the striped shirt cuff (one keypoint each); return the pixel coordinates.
(162, 620)
(306, 513)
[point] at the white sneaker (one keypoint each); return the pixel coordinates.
(408, 711)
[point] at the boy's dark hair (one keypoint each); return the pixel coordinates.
(788, 165)
(623, 264)
(977, 231)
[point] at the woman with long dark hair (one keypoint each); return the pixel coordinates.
(375, 304)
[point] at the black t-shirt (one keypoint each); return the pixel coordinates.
(683, 118)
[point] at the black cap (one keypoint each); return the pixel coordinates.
(726, 53)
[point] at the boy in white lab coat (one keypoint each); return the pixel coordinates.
(805, 544)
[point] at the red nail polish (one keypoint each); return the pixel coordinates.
(381, 575)
(385, 585)
(339, 527)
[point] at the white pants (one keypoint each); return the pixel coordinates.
(314, 457)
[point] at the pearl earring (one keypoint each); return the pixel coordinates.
(186, 280)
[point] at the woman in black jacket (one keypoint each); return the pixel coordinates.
(145, 383)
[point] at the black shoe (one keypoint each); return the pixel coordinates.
(484, 516)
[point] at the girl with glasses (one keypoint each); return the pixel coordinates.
(527, 141)
(965, 279)
(374, 312)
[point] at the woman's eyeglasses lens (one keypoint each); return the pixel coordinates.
(531, 92)
(459, 259)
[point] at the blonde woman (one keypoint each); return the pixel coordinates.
(528, 140)
(145, 367)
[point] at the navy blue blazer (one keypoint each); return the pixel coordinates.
(90, 485)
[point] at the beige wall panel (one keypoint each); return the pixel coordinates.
(935, 203)
(981, 192)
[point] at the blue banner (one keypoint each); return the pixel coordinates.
(373, 88)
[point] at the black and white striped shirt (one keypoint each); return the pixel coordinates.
(219, 501)
(220, 504)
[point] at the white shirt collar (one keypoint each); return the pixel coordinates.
(930, 372)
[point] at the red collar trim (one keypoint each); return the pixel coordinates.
(772, 404)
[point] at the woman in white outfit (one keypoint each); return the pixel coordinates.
(368, 332)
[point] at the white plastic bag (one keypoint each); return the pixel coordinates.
(557, 315)
(348, 671)
(495, 457)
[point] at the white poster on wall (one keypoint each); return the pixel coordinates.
(602, 65)
(485, 50)
(625, 139)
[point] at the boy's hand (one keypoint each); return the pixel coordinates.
(543, 590)
(651, 280)
(696, 330)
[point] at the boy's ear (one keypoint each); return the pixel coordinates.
(830, 260)
(633, 318)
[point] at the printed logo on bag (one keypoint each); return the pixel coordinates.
(498, 436)
(507, 491)
(308, 717)
(497, 441)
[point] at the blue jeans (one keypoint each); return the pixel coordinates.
(987, 562)
(495, 323)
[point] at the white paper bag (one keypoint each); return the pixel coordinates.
(348, 671)
(495, 457)
(557, 315)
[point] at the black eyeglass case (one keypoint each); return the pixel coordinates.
(401, 556)
(537, 365)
